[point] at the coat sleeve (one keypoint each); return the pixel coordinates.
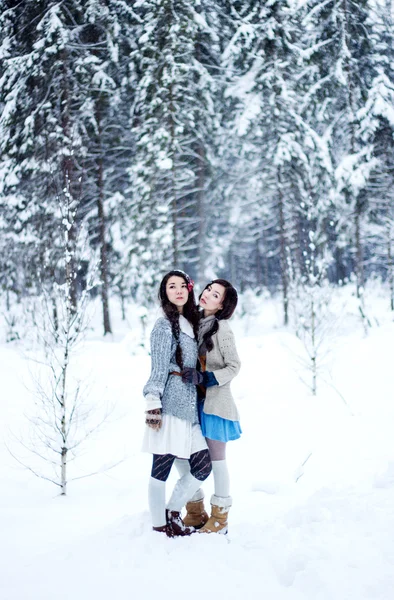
(231, 359)
(161, 345)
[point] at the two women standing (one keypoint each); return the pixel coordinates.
(173, 413)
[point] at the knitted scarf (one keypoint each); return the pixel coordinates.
(204, 326)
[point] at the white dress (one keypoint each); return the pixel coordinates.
(176, 436)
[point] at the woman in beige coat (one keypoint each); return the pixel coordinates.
(218, 413)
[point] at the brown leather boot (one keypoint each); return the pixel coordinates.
(176, 525)
(196, 514)
(218, 521)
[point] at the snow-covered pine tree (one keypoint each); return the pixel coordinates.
(42, 129)
(66, 96)
(313, 320)
(376, 129)
(343, 57)
(107, 39)
(174, 123)
(263, 57)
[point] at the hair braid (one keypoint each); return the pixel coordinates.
(207, 337)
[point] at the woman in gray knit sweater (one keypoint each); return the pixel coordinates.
(219, 416)
(173, 429)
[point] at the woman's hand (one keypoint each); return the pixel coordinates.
(191, 375)
(153, 418)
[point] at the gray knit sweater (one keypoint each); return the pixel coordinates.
(177, 398)
(224, 361)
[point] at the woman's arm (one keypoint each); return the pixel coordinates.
(227, 348)
(160, 342)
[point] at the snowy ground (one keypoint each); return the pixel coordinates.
(312, 479)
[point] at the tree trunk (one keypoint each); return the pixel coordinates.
(359, 255)
(390, 265)
(68, 169)
(64, 472)
(359, 266)
(55, 317)
(102, 229)
(201, 208)
(313, 340)
(259, 263)
(283, 255)
(122, 302)
(174, 199)
(63, 407)
(70, 266)
(202, 226)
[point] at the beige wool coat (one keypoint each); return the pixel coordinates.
(223, 361)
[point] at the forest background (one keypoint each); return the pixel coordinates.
(246, 139)
(251, 140)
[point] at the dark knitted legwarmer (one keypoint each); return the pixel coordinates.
(161, 466)
(200, 464)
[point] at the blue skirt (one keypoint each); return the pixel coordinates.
(216, 428)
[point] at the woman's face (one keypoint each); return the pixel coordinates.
(177, 292)
(212, 298)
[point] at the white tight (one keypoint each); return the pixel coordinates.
(221, 478)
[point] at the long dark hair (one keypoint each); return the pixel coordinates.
(229, 303)
(190, 310)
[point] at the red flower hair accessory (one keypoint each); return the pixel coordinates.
(190, 285)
